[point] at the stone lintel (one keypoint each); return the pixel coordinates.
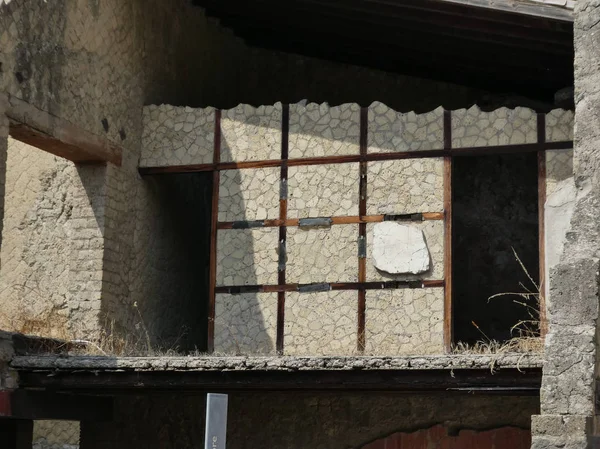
(57, 136)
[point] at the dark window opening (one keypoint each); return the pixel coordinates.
(495, 209)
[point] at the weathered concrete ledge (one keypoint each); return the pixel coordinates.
(273, 363)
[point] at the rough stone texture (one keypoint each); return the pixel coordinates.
(300, 420)
(405, 321)
(56, 434)
(8, 377)
(249, 194)
(245, 323)
(473, 127)
(568, 393)
(399, 248)
(391, 131)
(250, 134)
(405, 186)
(323, 190)
(247, 256)
(321, 130)
(52, 248)
(559, 167)
(277, 363)
(177, 136)
(434, 239)
(322, 323)
(322, 254)
(3, 156)
(559, 125)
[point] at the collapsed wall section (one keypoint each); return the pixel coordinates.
(303, 194)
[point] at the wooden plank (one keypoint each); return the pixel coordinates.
(465, 381)
(213, 235)
(58, 136)
(448, 309)
(370, 285)
(323, 160)
(362, 232)
(283, 206)
(533, 8)
(541, 132)
(356, 219)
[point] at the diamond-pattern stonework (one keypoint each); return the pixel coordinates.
(559, 125)
(323, 190)
(391, 131)
(247, 256)
(322, 255)
(434, 239)
(249, 194)
(321, 130)
(246, 323)
(250, 134)
(405, 186)
(177, 136)
(405, 321)
(474, 128)
(559, 166)
(322, 323)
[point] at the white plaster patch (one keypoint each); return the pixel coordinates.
(399, 249)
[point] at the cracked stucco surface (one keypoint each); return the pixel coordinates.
(323, 190)
(405, 186)
(177, 136)
(249, 133)
(559, 166)
(473, 127)
(322, 254)
(249, 194)
(320, 323)
(247, 256)
(245, 323)
(391, 131)
(405, 321)
(323, 130)
(559, 125)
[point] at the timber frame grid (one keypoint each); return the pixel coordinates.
(282, 286)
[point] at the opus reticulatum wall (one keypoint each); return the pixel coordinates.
(316, 265)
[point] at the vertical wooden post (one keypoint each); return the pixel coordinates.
(448, 308)
(541, 159)
(283, 196)
(362, 232)
(16, 433)
(213, 234)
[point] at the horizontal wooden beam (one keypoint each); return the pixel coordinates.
(330, 286)
(28, 404)
(501, 381)
(425, 216)
(555, 10)
(456, 152)
(58, 136)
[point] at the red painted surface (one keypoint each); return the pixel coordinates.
(438, 438)
(5, 406)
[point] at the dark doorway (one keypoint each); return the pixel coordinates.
(495, 210)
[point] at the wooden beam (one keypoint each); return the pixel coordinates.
(321, 160)
(418, 380)
(370, 285)
(541, 132)
(283, 206)
(448, 304)
(58, 136)
(560, 10)
(29, 404)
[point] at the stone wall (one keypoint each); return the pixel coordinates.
(298, 420)
(397, 322)
(569, 398)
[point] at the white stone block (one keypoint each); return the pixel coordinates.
(399, 248)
